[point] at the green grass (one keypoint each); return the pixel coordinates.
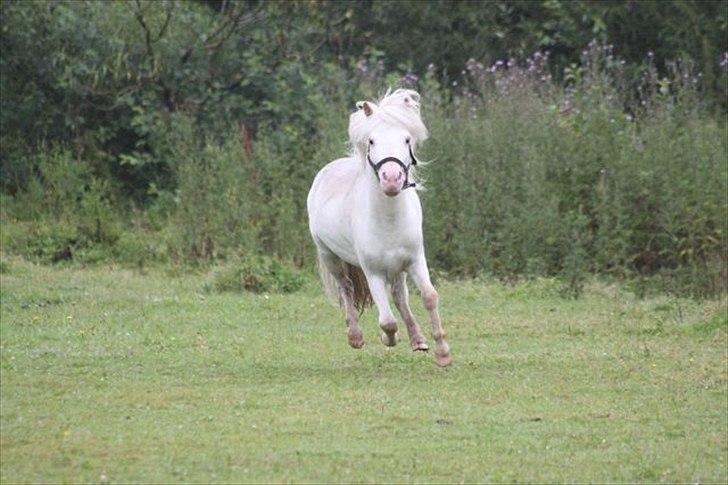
(113, 375)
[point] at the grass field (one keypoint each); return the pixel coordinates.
(113, 375)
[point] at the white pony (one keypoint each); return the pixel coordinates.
(367, 225)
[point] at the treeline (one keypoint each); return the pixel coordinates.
(584, 137)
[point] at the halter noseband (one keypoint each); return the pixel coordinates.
(378, 165)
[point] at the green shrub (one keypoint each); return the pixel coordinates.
(530, 178)
(258, 274)
(96, 219)
(45, 242)
(139, 248)
(66, 212)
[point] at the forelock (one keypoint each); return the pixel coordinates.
(400, 108)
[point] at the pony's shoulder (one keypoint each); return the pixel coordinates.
(340, 167)
(338, 173)
(332, 183)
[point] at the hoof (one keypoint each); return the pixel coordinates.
(442, 354)
(389, 339)
(420, 345)
(443, 360)
(356, 340)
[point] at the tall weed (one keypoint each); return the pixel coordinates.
(531, 179)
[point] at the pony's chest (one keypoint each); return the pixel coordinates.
(389, 251)
(387, 234)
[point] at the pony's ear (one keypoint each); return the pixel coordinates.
(366, 107)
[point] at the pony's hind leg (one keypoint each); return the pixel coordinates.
(387, 322)
(346, 291)
(353, 332)
(421, 276)
(400, 295)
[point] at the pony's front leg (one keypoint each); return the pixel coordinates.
(387, 322)
(421, 276)
(400, 295)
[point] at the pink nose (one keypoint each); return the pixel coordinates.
(392, 175)
(391, 178)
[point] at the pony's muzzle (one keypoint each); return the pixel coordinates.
(391, 178)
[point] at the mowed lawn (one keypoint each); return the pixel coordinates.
(113, 375)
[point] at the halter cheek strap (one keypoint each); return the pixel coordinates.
(376, 166)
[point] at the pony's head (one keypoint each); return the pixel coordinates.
(385, 135)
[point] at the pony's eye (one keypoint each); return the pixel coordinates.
(371, 142)
(407, 140)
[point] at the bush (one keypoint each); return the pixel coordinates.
(45, 242)
(258, 274)
(530, 179)
(65, 212)
(139, 248)
(216, 199)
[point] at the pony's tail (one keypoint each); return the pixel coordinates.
(362, 296)
(353, 276)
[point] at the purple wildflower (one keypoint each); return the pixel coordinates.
(409, 79)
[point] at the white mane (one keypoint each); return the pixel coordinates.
(399, 108)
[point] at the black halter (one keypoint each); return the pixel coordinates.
(378, 165)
